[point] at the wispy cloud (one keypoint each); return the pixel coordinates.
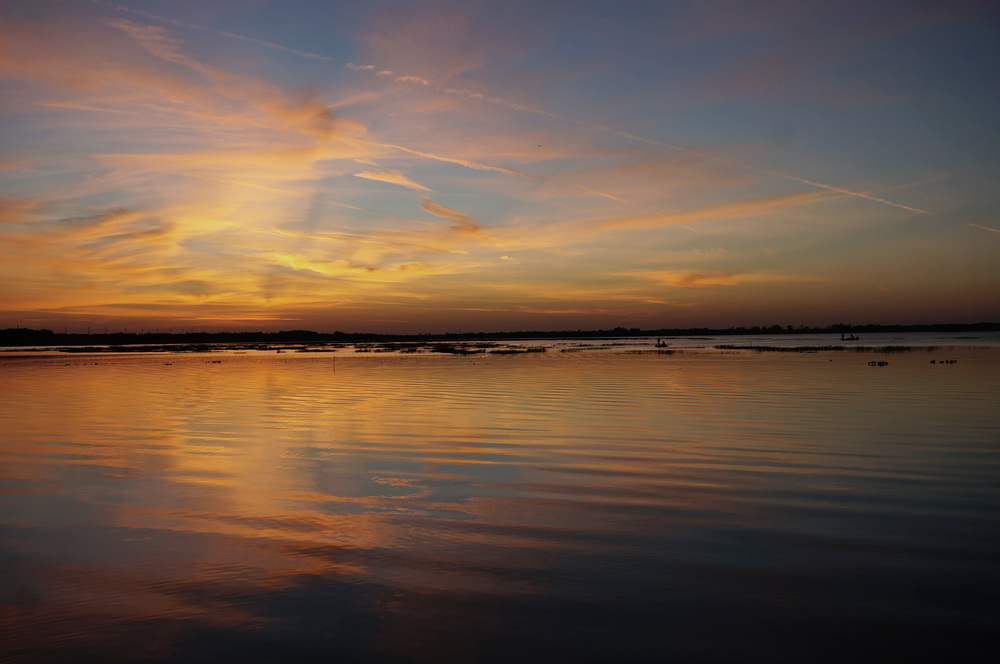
(155, 165)
(716, 278)
(308, 116)
(463, 223)
(222, 33)
(83, 107)
(724, 211)
(392, 177)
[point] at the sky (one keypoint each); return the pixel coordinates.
(436, 166)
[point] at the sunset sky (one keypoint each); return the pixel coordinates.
(486, 166)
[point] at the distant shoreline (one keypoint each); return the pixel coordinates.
(43, 337)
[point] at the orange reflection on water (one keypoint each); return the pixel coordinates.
(201, 493)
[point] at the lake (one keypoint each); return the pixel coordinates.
(597, 502)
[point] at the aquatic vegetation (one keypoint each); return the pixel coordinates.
(518, 350)
(815, 349)
(455, 349)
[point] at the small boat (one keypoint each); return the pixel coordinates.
(661, 344)
(850, 338)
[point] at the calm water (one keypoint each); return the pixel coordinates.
(602, 505)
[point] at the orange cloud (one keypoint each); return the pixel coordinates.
(722, 211)
(392, 177)
(464, 223)
(698, 280)
(17, 210)
(711, 278)
(412, 79)
(169, 180)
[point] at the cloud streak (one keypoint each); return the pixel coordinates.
(391, 177)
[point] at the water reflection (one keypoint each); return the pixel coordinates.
(572, 506)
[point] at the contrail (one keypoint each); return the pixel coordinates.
(648, 141)
(678, 148)
(608, 196)
(452, 160)
(840, 190)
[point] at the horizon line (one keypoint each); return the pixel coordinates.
(618, 330)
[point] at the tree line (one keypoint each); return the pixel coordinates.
(19, 336)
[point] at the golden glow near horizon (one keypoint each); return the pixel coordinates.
(433, 167)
